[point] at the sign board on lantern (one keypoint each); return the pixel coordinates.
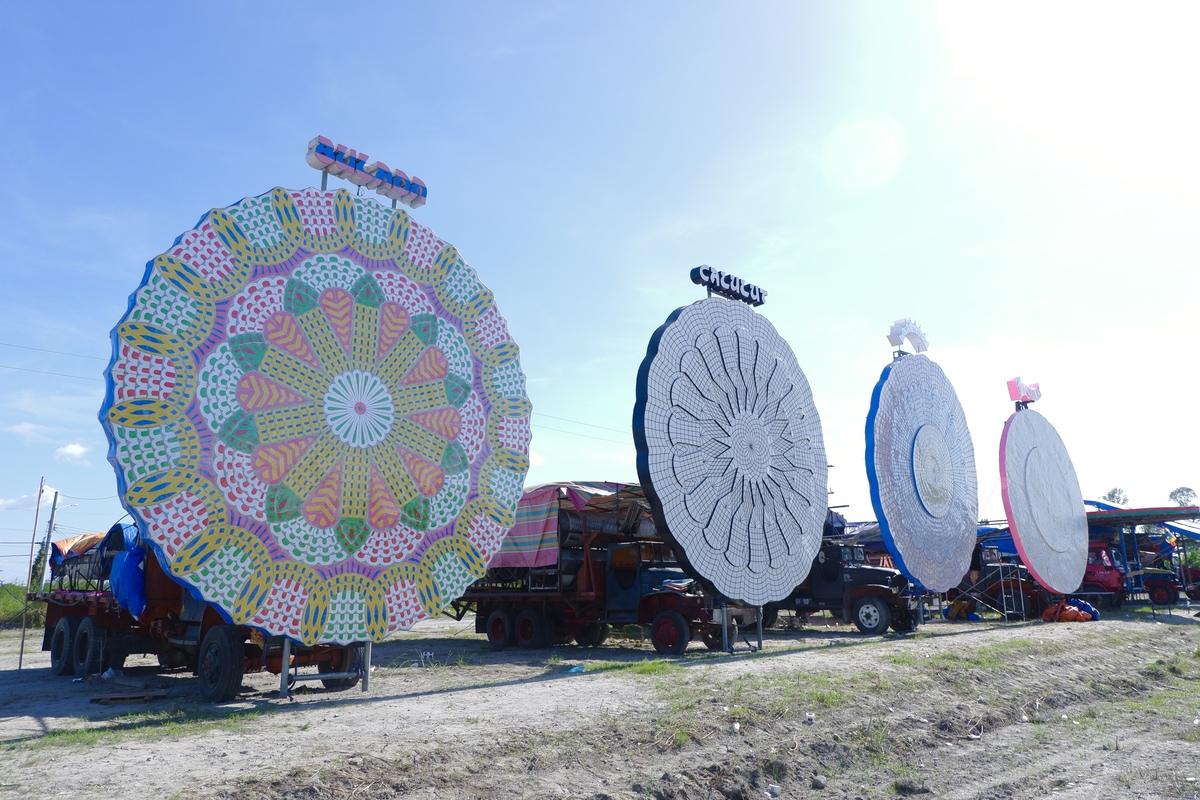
(337, 159)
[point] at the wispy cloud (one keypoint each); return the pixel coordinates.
(30, 431)
(25, 502)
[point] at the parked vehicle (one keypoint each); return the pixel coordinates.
(1108, 579)
(113, 600)
(841, 580)
(582, 558)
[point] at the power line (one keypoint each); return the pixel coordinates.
(73, 497)
(55, 352)
(47, 372)
(580, 435)
(579, 422)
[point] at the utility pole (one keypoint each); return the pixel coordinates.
(37, 508)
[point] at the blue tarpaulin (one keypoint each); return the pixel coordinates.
(128, 577)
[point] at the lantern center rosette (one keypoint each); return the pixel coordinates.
(317, 416)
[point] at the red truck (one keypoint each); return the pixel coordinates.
(1106, 578)
(582, 558)
(90, 626)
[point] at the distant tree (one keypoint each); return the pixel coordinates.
(1183, 496)
(38, 572)
(1116, 496)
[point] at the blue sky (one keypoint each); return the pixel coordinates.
(1022, 181)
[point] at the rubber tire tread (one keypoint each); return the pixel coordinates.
(230, 646)
(885, 616)
(87, 653)
(684, 633)
(66, 628)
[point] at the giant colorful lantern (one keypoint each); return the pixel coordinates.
(1042, 499)
(317, 416)
(921, 466)
(729, 443)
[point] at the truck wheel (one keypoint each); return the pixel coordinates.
(905, 624)
(871, 616)
(1160, 596)
(593, 634)
(88, 650)
(221, 663)
(500, 629)
(347, 661)
(669, 632)
(62, 643)
(712, 638)
(530, 629)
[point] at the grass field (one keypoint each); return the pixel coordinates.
(12, 600)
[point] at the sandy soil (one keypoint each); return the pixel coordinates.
(1095, 710)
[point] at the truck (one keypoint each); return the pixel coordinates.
(584, 557)
(1107, 580)
(110, 598)
(842, 581)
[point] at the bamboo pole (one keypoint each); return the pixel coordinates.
(37, 508)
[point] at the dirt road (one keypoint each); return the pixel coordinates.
(1107, 709)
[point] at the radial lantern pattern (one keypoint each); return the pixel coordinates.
(730, 450)
(921, 468)
(1043, 502)
(317, 416)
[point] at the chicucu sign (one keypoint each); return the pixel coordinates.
(337, 159)
(728, 285)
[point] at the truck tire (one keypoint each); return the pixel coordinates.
(871, 616)
(349, 660)
(531, 630)
(593, 634)
(220, 665)
(62, 646)
(712, 637)
(904, 624)
(88, 651)
(500, 629)
(1162, 596)
(669, 632)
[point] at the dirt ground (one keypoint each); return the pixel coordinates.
(1107, 709)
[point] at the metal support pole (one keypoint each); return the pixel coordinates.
(37, 507)
(725, 628)
(285, 667)
(760, 613)
(366, 665)
(324, 180)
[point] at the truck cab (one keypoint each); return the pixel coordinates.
(841, 580)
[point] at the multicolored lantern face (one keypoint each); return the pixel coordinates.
(921, 469)
(730, 450)
(1043, 502)
(318, 416)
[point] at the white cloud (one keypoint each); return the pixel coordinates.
(74, 453)
(29, 431)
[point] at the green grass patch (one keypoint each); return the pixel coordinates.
(988, 657)
(644, 667)
(173, 723)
